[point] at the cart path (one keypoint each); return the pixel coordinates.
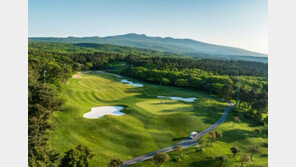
(185, 143)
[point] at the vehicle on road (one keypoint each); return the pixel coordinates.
(193, 135)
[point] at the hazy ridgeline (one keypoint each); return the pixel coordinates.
(187, 47)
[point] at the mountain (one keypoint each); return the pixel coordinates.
(180, 46)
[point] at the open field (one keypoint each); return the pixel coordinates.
(147, 125)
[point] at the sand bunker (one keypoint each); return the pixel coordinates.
(131, 83)
(99, 112)
(190, 99)
(78, 75)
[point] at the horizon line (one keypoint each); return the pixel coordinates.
(146, 36)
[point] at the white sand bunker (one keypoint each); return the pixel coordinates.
(190, 99)
(99, 112)
(131, 83)
(78, 75)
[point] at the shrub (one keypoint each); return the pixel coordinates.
(160, 158)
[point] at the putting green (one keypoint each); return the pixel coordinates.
(147, 125)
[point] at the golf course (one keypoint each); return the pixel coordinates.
(147, 84)
(149, 123)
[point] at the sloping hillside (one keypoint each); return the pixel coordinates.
(180, 46)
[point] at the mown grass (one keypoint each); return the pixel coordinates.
(241, 135)
(147, 125)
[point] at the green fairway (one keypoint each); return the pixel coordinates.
(147, 125)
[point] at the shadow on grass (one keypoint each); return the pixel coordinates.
(209, 162)
(209, 114)
(264, 145)
(179, 109)
(235, 135)
(179, 138)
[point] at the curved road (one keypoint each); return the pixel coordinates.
(185, 143)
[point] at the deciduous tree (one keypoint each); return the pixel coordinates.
(235, 119)
(115, 162)
(201, 141)
(77, 157)
(160, 158)
(253, 150)
(219, 134)
(244, 158)
(234, 150)
(213, 137)
(221, 158)
(178, 149)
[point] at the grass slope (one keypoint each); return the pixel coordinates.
(242, 135)
(147, 125)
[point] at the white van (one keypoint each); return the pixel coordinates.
(193, 135)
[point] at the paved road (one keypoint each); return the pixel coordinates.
(185, 143)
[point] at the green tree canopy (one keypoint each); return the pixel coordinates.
(115, 162)
(178, 149)
(244, 158)
(213, 137)
(77, 157)
(160, 158)
(253, 150)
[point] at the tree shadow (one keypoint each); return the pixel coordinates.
(180, 109)
(208, 114)
(231, 136)
(264, 145)
(179, 138)
(208, 162)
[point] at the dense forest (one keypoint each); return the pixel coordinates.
(46, 75)
(228, 67)
(91, 47)
(92, 53)
(51, 64)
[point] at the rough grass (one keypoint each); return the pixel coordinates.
(241, 135)
(147, 125)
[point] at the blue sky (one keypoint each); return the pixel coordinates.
(238, 23)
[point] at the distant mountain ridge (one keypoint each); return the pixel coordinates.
(180, 46)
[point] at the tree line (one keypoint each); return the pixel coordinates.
(46, 75)
(221, 67)
(87, 52)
